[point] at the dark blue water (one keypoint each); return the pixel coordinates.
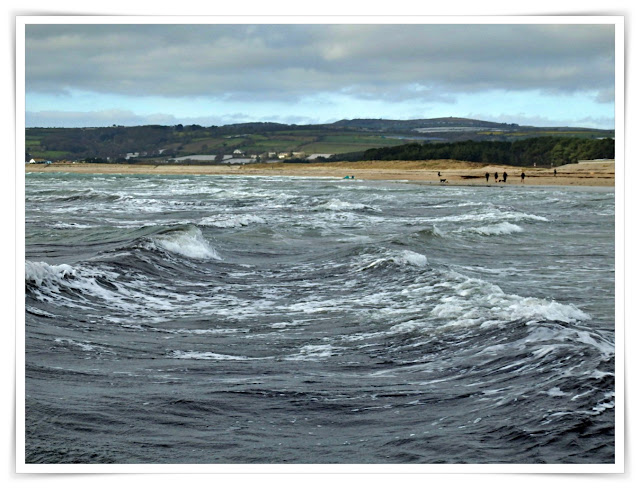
(218, 319)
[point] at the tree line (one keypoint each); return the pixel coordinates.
(543, 151)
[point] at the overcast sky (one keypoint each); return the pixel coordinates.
(98, 75)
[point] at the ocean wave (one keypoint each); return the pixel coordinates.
(340, 205)
(475, 302)
(402, 258)
(187, 242)
(490, 215)
(543, 340)
(314, 353)
(207, 355)
(87, 194)
(231, 221)
(89, 288)
(53, 282)
(493, 229)
(39, 273)
(432, 231)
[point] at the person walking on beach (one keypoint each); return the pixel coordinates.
(486, 175)
(522, 175)
(496, 177)
(555, 172)
(504, 177)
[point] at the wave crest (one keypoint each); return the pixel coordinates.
(38, 273)
(187, 242)
(231, 221)
(403, 258)
(499, 229)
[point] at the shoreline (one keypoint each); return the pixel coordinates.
(458, 173)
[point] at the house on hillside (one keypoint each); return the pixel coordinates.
(315, 156)
(198, 158)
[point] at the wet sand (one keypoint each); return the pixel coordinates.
(587, 173)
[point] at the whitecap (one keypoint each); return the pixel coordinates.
(468, 301)
(207, 355)
(40, 272)
(231, 221)
(314, 353)
(494, 229)
(403, 258)
(190, 243)
(340, 205)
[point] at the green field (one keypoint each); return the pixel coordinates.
(113, 143)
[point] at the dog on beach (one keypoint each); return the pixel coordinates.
(443, 180)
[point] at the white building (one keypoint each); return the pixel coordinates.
(319, 155)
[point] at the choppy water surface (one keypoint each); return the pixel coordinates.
(279, 320)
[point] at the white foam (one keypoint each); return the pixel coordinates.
(41, 272)
(490, 215)
(190, 243)
(556, 392)
(339, 205)
(195, 355)
(412, 258)
(231, 221)
(475, 302)
(83, 346)
(314, 353)
(404, 257)
(494, 229)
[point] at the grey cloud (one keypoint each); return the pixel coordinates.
(287, 62)
(541, 121)
(58, 118)
(129, 118)
(606, 96)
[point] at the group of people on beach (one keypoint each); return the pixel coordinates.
(504, 177)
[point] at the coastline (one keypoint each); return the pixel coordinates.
(587, 173)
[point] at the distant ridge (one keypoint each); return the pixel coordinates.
(347, 138)
(413, 124)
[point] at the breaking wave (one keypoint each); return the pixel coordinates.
(494, 229)
(402, 258)
(188, 242)
(231, 221)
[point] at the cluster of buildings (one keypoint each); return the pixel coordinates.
(238, 157)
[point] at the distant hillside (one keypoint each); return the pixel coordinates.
(352, 137)
(443, 123)
(542, 151)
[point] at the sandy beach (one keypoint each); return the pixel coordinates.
(586, 173)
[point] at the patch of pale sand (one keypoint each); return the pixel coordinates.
(592, 173)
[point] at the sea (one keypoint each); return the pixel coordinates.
(283, 320)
